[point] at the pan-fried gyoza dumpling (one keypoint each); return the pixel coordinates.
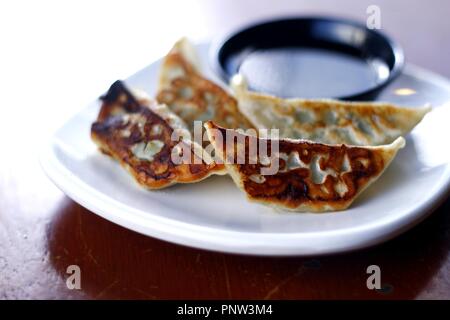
(299, 175)
(327, 121)
(184, 89)
(138, 134)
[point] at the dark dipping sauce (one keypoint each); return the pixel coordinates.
(293, 72)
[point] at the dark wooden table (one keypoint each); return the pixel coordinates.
(54, 65)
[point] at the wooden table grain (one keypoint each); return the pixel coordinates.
(50, 74)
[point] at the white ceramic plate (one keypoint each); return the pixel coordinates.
(215, 215)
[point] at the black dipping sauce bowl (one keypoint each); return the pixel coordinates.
(310, 57)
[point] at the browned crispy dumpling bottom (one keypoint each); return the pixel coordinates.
(193, 97)
(141, 141)
(310, 177)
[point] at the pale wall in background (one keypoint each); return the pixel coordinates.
(64, 54)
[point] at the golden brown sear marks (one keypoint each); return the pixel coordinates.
(327, 121)
(310, 177)
(119, 100)
(193, 97)
(141, 141)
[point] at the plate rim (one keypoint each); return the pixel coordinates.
(215, 239)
